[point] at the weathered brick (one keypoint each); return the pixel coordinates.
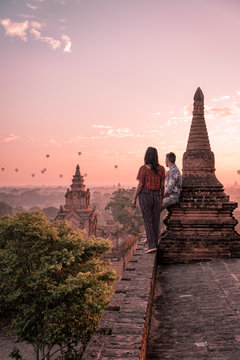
(193, 316)
(123, 329)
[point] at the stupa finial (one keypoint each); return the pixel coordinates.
(198, 136)
(77, 173)
(198, 96)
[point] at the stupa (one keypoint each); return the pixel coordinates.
(201, 226)
(77, 210)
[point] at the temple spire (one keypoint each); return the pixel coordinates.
(201, 226)
(198, 136)
(77, 173)
(198, 159)
(77, 181)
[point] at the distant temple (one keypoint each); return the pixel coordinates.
(77, 210)
(202, 225)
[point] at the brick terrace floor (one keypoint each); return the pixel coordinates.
(196, 312)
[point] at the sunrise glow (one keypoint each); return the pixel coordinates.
(109, 78)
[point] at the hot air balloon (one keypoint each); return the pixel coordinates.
(3, 169)
(85, 175)
(47, 155)
(42, 171)
(79, 153)
(116, 166)
(61, 175)
(16, 170)
(238, 172)
(33, 175)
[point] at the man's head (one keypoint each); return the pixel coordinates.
(170, 159)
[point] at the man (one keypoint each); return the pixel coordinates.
(173, 182)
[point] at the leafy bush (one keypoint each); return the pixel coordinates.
(54, 283)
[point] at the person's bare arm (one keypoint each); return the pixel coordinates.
(138, 190)
(162, 184)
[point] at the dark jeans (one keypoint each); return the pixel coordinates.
(150, 204)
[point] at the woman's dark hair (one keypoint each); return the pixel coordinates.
(151, 158)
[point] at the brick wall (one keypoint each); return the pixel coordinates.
(123, 330)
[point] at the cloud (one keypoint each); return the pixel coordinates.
(221, 98)
(54, 44)
(174, 120)
(238, 93)
(109, 131)
(30, 6)
(74, 139)
(226, 97)
(67, 44)
(36, 34)
(187, 109)
(223, 111)
(120, 132)
(102, 126)
(15, 29)
(10, 137)
(27, 16)
(37, 25)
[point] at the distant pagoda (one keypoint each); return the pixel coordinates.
(201, 226)
(77, 210)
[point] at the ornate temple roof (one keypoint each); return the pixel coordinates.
(78, 181)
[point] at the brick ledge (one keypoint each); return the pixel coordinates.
(123, 330)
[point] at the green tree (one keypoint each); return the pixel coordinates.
(123, 213)
(54, 283)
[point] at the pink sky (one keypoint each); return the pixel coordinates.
(110, 78)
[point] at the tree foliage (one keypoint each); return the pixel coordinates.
(120, 206)
(54, 283)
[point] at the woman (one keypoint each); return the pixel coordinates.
(151, 177)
